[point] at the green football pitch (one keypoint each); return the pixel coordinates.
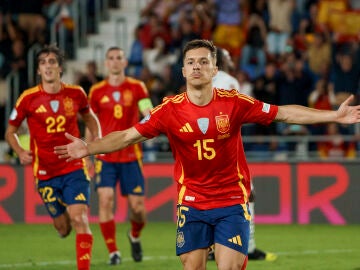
(30, 247)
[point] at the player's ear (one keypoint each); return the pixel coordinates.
(183, 72)
(215, 71)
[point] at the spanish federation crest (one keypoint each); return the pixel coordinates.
(203, 124)
(180, 239)
(69, 106)
(222, 123)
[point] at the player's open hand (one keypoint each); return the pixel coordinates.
(347, 114)
(74, 150)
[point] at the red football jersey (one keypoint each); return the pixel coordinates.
(117, 109)
(49, 116)
(210, 165)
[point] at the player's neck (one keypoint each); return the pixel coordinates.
(116, 79)
(51, 87)
(201, 96)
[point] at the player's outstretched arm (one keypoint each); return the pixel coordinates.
(112, 142)
(296, 114)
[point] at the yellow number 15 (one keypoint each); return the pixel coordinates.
(204, 149)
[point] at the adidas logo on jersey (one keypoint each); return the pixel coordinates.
(186, 128)
(80, 197)
(104, 99)
(235, 240)
(41, 109)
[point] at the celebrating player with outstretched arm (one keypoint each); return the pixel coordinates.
(202, 126)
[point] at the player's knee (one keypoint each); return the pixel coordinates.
(138, 208)
(106, 202)
(79, 220)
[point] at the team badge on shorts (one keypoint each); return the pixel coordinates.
(51, 209)
(180, 240)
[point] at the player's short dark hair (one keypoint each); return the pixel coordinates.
(220, 58)
(200, 43)
(52, 48)
(113, 48)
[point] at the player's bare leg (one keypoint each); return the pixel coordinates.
(137, 219)
(107, 223)
(78, 214)
(195, 259)
(62, 224)
(229, 259)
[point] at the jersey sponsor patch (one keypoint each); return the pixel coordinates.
(54, 104)
(116, 96)
(203, 124)
(189, 198)
(266, 108)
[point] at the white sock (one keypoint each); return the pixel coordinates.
(252, 244)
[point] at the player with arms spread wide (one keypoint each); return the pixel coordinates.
(202, 126)
(51, 109)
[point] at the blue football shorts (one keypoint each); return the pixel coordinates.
(59, 192)
(128, 174)
(197, 229)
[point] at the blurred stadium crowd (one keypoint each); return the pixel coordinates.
(302, 52)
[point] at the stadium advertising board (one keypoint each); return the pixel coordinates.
(286, 193)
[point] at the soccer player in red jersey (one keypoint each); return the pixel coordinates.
(117, 101)
(202, 126)
(51, 109)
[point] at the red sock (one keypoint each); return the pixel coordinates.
(108, 232)
(244, 264)
(136, 228)
(84, 244)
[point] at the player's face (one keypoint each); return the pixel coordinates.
(48, 68)
(199, 68)
(116, 62)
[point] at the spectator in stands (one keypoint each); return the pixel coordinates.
(245, 86)
(29, 17)
(304, 81)
(17, 62)
(336, 147)
(346, 74)
(280, 12)
(153, 27)
(61, 13)
(302, 37)
(204, 21)
(90, 77)
(260, 8)
(229, 32)
(135, 61)
(253, 56)
(318, 55)
(322, 98)
(266, 86)
(158, 57)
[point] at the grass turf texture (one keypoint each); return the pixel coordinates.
(310, 247)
